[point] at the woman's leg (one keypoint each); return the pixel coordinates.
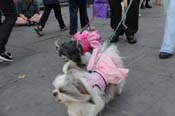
(73, 10)
(45, 15)
(84, 20)
(168, 44)
(57, 11)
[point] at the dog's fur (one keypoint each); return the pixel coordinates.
(80, 98)
(72, 50)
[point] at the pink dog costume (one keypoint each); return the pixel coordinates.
(88, 40)
(107, 72)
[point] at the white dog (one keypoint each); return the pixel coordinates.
(81, 90)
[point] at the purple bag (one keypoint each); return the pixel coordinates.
(100, 9)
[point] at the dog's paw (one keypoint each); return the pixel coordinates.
(120, 87)
(119, 91)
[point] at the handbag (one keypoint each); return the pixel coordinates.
(100, 9)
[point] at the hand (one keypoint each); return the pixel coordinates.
(24, 17)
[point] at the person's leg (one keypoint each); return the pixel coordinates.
(42, 22)
(45, 15)
(84, 20)
(132, 20)
(147, 5)
(168, 44)
(73, 10)
(116, 14)
(7, 25)
(57, 11)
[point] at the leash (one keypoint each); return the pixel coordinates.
(107, 42)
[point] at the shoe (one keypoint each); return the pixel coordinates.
(131, 39)
(38, 30)
(65, 28)
(6, 56)
(148, 6)
(9, 54)
(164, 55)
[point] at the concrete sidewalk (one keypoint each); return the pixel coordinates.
(26, 83)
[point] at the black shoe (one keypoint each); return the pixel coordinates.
(38, 30)
(131, 39)
(148, 6)
(164, 55)
(6, 56)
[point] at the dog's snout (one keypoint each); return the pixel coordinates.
(55, 94)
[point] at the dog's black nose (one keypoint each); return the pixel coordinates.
(55, 94)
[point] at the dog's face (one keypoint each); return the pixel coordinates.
(68, 89)
(70, 51)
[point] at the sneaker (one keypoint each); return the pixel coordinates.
(6, 56)
(38, 30)
(9, 54)
(164, 55)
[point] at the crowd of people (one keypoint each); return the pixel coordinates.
(26, 12)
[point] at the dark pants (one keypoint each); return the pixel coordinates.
(131, 18)
(57, 11)
(147, 2)
(9, 11)
(74, 5)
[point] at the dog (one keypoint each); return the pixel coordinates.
(80, 46)
(81, 91)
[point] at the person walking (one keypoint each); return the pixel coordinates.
(48, 6)
(131, 20)
(7, 7)
(168, 45)
(74, 6)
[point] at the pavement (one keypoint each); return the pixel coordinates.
(26, 84)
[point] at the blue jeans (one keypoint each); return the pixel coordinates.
(168, 44)
(74, 6)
